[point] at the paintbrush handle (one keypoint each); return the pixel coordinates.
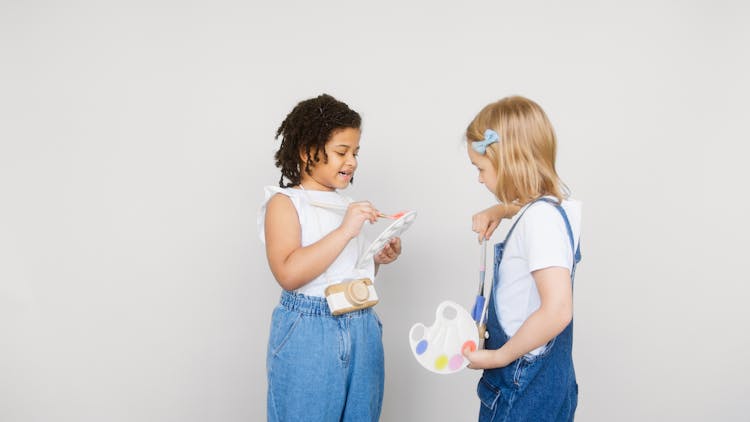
(483, 256)
(338, 207)
(328, 206)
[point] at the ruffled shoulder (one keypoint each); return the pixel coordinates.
(269, 192)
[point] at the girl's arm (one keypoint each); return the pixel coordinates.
(292, 265)
(553, 315)
(486, 221)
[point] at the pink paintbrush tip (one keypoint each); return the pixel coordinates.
(399, 214)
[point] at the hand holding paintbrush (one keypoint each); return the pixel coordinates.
(338, 207)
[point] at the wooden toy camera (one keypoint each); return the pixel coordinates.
(351, 295)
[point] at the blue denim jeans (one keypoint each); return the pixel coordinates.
(533, 388)
(323, 367)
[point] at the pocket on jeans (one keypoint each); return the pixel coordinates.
(488, 393)
(377, 319)
(284, 324)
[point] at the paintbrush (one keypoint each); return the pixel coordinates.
(338, 207)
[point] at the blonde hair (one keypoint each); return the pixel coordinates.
(524, 156)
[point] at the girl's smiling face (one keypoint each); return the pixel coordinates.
(342, 149)
(487, 172)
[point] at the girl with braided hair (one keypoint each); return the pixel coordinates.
(321, 366)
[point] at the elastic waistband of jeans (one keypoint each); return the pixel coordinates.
(313, 305)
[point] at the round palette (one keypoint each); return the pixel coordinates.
(394, 230)
(438, 347)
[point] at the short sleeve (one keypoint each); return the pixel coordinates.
(546, 239)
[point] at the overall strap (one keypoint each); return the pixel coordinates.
(513, 227)
(577, 251)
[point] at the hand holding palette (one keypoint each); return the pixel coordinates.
(403, 221)
(438, 347)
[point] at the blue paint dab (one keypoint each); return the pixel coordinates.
(421, 347)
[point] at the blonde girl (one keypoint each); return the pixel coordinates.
(527, 360)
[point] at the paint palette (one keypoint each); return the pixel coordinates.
(438, 347)
(393, 230)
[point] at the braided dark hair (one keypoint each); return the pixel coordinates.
(306, 129)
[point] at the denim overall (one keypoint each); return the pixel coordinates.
(533, 388)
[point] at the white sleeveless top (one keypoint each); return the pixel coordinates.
(316, 222)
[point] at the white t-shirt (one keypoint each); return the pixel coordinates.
(540, 240)
(315, 223)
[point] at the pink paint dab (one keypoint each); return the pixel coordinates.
(456, 362)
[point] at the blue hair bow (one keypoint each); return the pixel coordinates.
(490, 137)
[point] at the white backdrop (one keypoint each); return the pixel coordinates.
(136, 137)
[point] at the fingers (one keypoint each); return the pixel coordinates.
(356, 214)
(382, 258)
(468, 354)
(491, 229)
(479, 359)
(365, 210)
(483, 224)
(476, 225)
(390, 252)
(483, 227)
(395, 244)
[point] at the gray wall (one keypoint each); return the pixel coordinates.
(136, 137)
